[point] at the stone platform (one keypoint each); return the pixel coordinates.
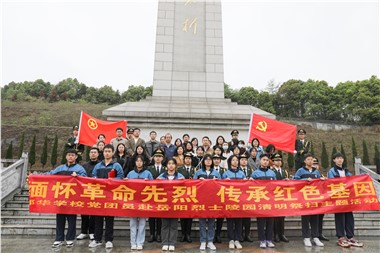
(179, 115)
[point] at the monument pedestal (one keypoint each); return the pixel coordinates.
(196, 116)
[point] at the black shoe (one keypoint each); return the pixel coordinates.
(283, 238)
(188, 239)
(248, 239)
(151, 238)
(183, 238)
(217, 239)
(276, 238)
(158, 238)
(323, 238)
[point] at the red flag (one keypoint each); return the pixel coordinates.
(270, 131)
(90, 128)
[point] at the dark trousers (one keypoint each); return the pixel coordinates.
(344, 225)
(265, 229)
(279, 225)
(60, 227)
(186, 226)
(169, 231)
(246, 227)
(307, 222)
(155, 226)
(99, 221)
(219, 225)
(87, 224)
(234, 229)
(320, 224)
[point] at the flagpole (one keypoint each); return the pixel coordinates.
(249, 130)
(80, 124)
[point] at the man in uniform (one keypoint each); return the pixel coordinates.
(156, 169)
(303, 147)
(73, 143)
(188, 172)
(129, 133)
(279, 222)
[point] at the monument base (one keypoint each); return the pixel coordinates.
(195, 116)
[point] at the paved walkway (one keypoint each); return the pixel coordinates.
(42, 244)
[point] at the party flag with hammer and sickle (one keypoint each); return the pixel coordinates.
(270, 131)
(90, 128)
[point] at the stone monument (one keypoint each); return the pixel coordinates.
(188, 81)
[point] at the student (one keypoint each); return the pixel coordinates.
(234, 225)
(137, 224)
(309, 221)
(156, 169)
(188, 172)
(321, 236)
(88, 221)
(253, 160)
(71, 168)
(216, 159)
(264, 224)
(279, 222)
(104, 169)
(344, 222)
(169, 229)
(207, 235)
(243, 166)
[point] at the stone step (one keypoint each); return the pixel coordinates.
(124, 221)
(49, 229)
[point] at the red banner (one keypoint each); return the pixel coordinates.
(270, 131)
(90, 128)
(199, 198)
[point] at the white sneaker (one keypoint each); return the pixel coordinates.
(231, 245)
(238, 245)
(139, 247)
(318, 242)
(263, 244)
(203, 246)
(69, 243)
(92, 237)
(133, 247)
(165, 247)
(307, 242)
(270, 244)
(171, 248)
(82, 236)
(109, 245)
(211, 246)
(56, 244)
(94, 244)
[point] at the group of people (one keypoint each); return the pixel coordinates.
(133, 158)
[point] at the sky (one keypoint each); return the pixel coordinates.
(112, 42)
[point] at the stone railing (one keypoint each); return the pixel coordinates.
(366, 169)
(13, 177)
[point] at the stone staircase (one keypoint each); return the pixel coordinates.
(16, 220)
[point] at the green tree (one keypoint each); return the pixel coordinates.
(312, 150)
(22, 143)
(44, 152)
(63, 160)
(87, 151)
(377, 154)
(334, 151)
(324, 156)
(54, 151)
(344, 155)
(9, 154)
(32, 152)
(365, 154)
(136, 93)
(291, 161)
(354, 150)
